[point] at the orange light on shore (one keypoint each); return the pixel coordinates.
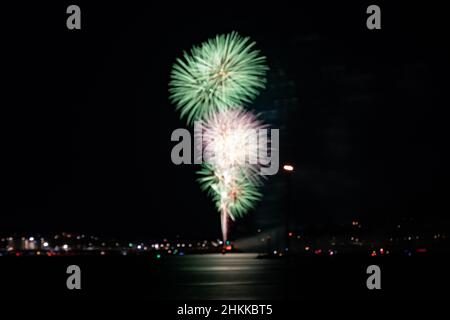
(288, 167)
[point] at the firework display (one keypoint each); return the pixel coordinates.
(231, 190)
(210, 84)
(230, 141)
(221, 73)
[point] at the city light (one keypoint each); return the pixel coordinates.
(409, 245)
(288, 167)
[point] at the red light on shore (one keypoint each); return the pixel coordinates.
(288, 167)
(228, 248)
(290, 234)
(421, 250)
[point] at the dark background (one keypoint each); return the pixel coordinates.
(87, 120)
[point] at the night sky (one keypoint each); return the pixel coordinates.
(87, 132)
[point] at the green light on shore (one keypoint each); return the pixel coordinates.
(158, 256)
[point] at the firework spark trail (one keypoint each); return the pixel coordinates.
(224, 223)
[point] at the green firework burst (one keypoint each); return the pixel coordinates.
(238, 194)
(223, 72)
